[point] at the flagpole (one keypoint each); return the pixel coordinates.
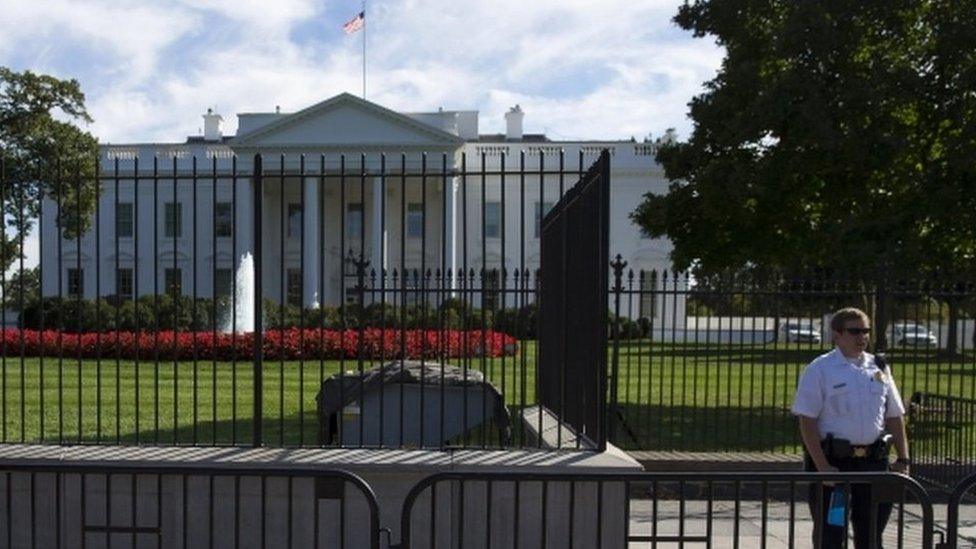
(364, 49)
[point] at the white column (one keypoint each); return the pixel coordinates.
(451, 236)
(144, 271)
(377, 234)
(50, 262)
(244, 218)
(311, 217)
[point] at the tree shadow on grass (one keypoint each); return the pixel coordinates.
(786, 353)
(739, 352)
(706, 429)
(638, 428)
(755, 429)
(294, 430)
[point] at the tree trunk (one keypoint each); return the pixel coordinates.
(873, 300)
(952, 347)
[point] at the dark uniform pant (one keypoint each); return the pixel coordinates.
(859, 506)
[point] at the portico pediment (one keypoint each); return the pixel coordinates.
(346, 122)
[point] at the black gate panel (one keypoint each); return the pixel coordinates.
(572, 365)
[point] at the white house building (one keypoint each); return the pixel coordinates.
(161, 222)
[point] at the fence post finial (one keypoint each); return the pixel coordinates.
(618, 265)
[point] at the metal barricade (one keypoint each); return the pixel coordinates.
(615, 510)
(953, 515)
(72, 505)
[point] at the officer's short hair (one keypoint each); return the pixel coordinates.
(841, 317)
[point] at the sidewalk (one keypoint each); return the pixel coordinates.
(780, 527)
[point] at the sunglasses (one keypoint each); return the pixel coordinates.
(858, 331)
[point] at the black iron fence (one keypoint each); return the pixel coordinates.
(392, 301)
(572, 320)
(943, 434)
(712, 364)
(64, 505)
(350, 300)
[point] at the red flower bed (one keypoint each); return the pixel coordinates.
(289, 344)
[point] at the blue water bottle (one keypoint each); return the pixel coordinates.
(837, 511)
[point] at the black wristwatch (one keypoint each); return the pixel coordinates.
(904, 461)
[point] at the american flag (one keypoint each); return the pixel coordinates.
(355, 24)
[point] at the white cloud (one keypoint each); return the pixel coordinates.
(126, 37)
(257, 14)
(628, 70)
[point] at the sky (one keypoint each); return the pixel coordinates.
(579, 69)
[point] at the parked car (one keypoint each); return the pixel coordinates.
(799, 332)
(909, 334)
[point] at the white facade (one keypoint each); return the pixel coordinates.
(349, 126)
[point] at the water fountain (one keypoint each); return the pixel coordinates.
(241, 318)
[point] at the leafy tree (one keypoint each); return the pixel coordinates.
(43, 152)
(20, 285)
(838, 137)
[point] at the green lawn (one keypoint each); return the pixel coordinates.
(52, 400)
(679, 397)
(696, 398)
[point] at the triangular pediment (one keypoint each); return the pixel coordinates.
(349, 122)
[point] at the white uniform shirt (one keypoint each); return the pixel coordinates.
(849, 398)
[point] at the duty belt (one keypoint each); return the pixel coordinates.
(839, 448)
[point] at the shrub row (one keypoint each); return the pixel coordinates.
(287, 344)
(163, 312)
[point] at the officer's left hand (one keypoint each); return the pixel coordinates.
(902, 468)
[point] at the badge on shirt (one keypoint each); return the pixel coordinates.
(879, 376)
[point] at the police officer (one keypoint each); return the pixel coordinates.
(850, 414)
